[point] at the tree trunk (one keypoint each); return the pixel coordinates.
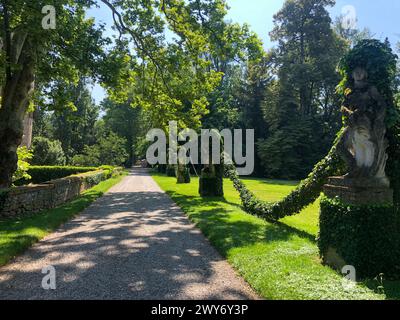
(14, 104)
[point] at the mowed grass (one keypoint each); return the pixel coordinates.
(280, 261)
(16, 235)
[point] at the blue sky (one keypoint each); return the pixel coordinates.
(381, 17)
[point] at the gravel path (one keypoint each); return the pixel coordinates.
(133, 243)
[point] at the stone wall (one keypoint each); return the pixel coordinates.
(26, 200)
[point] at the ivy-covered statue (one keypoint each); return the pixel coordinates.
(363, 145)
(211, 183)
(182, 170)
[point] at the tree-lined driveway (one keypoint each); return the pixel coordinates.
(133, 243)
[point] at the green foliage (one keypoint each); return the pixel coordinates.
(109, 150)
(47, 152)
(24, 156)
(40, 174)
(211, 181)
(352, 36)
(96, 177)
(90, 157)
(182, 175)
(171, 171)
(129, 123)
(300, 107)
(289, 152)
(185, 178)
(381, 64)
(306, 192)
(75, 128)
(366, 237)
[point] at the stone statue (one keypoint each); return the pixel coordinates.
(363, 145)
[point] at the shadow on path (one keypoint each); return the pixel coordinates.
(130, 244)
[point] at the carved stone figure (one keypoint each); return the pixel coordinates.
(363, 145)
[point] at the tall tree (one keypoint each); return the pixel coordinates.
(74, 126)
(351, 35)
(302, 107)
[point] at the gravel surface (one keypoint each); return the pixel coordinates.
(133, 243)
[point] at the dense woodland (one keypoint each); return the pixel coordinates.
(211, 73)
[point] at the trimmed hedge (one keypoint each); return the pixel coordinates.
(42, 174)
(366, 237)
(211, 183)
(305, 194)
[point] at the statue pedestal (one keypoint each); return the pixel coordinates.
(360, 227)
(358, 191)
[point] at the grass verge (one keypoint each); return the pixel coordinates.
(16, 235)
(280, 261)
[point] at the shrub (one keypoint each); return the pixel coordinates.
(89, 157)
(47, 152)
(24, 155)
(366, 237)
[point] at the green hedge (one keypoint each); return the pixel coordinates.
(42, 174)
(305, 194)
(366, 237)
(95, 178)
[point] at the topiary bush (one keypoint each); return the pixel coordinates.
(161, 168)
(171, 171)
(366, 237)
(182, 175)
(211, 182)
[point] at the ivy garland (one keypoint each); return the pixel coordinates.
(305, 194)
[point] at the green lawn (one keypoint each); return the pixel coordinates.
(16, 235)
(280, 261)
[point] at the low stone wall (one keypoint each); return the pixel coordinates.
(26, 200)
